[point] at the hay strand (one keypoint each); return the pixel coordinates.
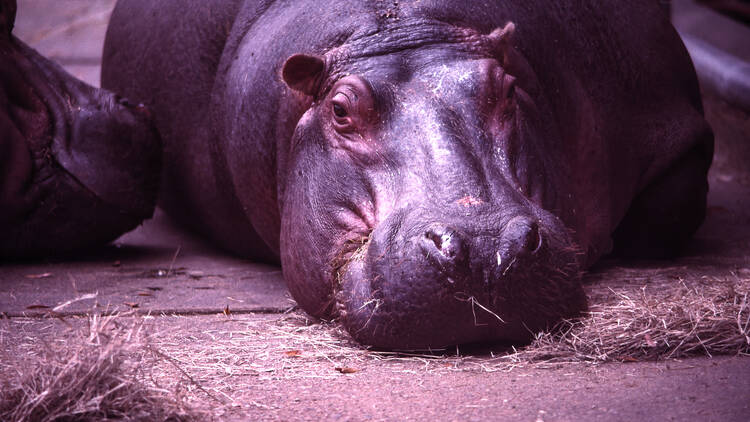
(96, 374)
(703, 317)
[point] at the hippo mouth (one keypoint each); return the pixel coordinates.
(408, 295)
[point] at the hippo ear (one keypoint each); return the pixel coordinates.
(7, 16)
(303, 73)
(503, 35)
(502, 38)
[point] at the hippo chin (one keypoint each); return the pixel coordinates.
(78, 165)
(429, 172)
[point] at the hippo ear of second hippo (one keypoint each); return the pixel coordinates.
(502, 38)
(7, 16)
(303, 73)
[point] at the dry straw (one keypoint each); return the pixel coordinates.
(99, 374)
(667, 318)
(110, 369)
(662, 318)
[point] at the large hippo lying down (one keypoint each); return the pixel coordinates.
(429, 172)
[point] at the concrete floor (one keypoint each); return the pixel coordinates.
(162, 270)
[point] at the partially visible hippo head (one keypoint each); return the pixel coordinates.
(417, 202)
(78, 165)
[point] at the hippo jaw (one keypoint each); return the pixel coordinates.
(415, 206)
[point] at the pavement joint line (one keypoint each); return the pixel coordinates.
(144, 312)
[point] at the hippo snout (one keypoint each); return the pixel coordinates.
(449, 284)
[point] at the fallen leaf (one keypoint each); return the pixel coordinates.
(132, 304)
(144, 294)
(293, 353)
(42, 275)
(227, 312)
(346, 370)
(37, 307)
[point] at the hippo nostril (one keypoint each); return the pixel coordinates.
(533, 240)
(435, 238)
(524, 233)
(443, 240)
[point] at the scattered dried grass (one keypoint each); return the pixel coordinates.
(100, 372)
(661, 320)
(229, 364)
(658, 317)
(629, 321)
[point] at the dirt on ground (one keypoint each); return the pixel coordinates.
(272, 367)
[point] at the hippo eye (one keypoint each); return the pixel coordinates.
(339, 111)
(340, 107)
(350, 108)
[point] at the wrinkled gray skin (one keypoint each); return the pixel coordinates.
(78, 165)
(425, 171)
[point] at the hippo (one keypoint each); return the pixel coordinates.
(78, 165)
(427, 172)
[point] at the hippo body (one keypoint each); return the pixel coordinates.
(429, 172)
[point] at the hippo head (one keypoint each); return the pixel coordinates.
(418, 207)
(79, 165)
